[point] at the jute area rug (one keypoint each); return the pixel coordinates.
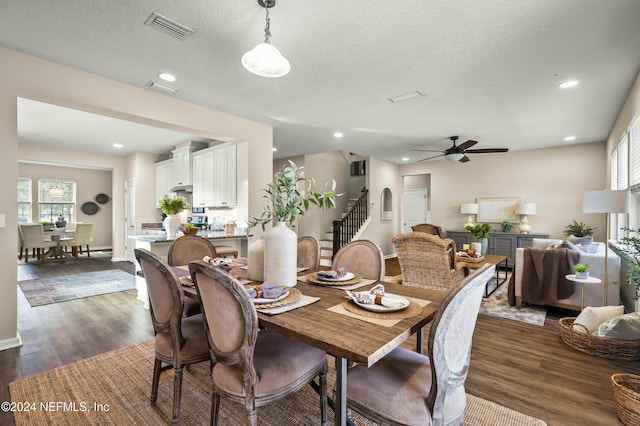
(44, 291)
(113, 389)
(497, 305)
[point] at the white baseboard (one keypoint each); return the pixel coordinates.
(14, 342)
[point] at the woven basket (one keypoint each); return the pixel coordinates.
(603, 347)
(626, 390)
(189, 231)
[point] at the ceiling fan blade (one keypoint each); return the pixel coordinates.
(467, 144)
(464, 159)
(429, 150)
(425, 159)
(486, 150)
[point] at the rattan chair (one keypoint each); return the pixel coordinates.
(253, 368)
(428, 261)
(308, 253)
(179, 341)
(361, 256)
(428, 228)
(408, 388)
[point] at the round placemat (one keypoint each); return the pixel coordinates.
(313, 280)
(294, 295)
(410, 311)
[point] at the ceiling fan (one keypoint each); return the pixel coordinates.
(459, 152)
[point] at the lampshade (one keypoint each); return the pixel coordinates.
(605, 202)
(456, 156)
(265, 59)
(526, 208)
(468, 208)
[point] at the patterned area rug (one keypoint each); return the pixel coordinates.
(497, 305)
(60, 289)
(113, 389)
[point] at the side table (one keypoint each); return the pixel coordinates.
(583, 281)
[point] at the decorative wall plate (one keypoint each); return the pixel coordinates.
(102, 198)
(90, 208)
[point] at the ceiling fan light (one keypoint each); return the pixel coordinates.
(266, 60)
(456, 156)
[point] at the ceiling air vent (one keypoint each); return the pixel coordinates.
(161, 87)
(168, 26)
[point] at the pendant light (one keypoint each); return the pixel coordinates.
(265, 59)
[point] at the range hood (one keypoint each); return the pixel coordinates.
(182, 188)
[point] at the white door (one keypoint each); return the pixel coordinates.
(415, 208)
(130, 219)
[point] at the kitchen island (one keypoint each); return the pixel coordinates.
(159, 245)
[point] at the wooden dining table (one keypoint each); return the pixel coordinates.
(348, 338)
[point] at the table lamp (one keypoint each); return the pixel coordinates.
(606, 202)
(469, 209)
(525, 209)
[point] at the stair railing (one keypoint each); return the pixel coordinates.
(344, 229)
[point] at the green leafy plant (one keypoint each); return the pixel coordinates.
(173, 205)
(479, 231)
(578, 229)
(506, 225)
(580, 267)
(290, 195)
(629, 251)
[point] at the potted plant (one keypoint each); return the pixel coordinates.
(48, 226)
(629, 250)
(481, 234)
(579, 230)
(581, 270)
(506, 226)
(290, 195)
(189, 229)
(171, 206)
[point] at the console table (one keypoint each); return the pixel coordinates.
(500, 243)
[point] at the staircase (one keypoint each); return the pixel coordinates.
(344, 229)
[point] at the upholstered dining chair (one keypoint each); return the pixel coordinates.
(308, 253)
(179, 341)
(427, 228)
(184, 250)
(253, 367)
(409, 388)
(428, 261)
(361, 256)
(81, 238)
(33, 238)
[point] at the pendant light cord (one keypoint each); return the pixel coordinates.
(267, 28)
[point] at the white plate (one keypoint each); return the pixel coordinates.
(381, 308)
(262, 300)
(348, 276)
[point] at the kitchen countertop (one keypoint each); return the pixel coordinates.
(206, 234)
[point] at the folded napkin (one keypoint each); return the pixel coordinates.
(267, 291)
(218, 261)
(375, 296)
(332, 275)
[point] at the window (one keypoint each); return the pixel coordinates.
(52, 205)
(24, 200)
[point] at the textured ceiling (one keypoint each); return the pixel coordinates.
(489, 69)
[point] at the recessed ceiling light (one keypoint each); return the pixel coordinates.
(338, 135)
(117, 145)
(405, 158)
(570, 138)
(568, 83)
(406, 96)
(166, 76)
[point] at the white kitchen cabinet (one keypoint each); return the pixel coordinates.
(164, 178)
(214, 176)
(182, 166)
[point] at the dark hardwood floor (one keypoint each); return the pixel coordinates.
(521, 366)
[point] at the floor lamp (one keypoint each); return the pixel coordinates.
(606, 202)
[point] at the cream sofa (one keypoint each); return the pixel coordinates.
(593, 293)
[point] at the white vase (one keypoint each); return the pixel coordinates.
(477, 247)
(255, 260)
(171, 224)
(281, 256)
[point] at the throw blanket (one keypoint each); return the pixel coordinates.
(543, 275)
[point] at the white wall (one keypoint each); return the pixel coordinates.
(33, 78)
